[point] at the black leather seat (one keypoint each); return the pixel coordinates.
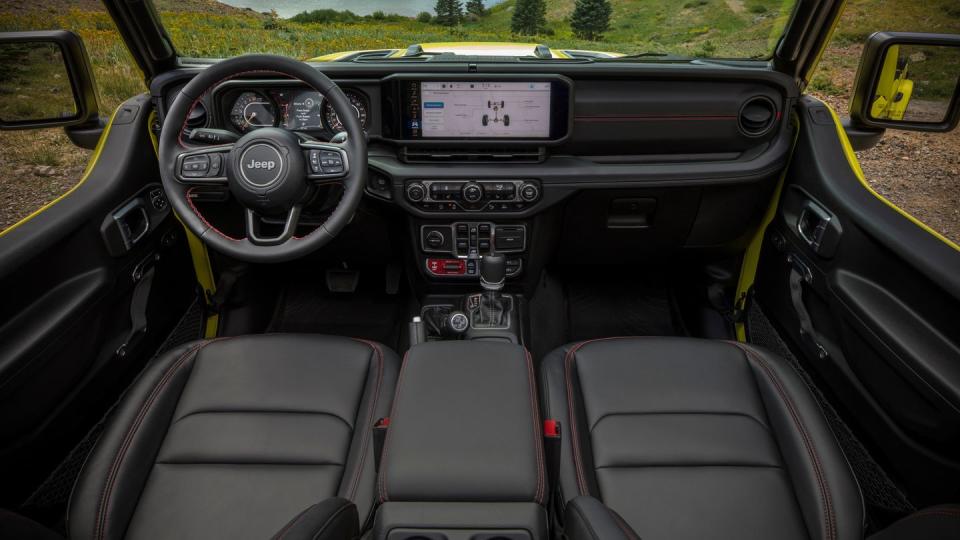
(692, 439)
(233, 438)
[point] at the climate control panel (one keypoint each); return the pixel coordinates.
(472, 195)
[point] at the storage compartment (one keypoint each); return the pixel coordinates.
(463, 454)
(626, 225)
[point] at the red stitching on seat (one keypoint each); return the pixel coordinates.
(370, 413)
(537, 428)
(100, 524)
(627, 531)
(571, 409)
(382, 477)
(825, 499)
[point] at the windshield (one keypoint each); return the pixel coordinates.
(596, 29)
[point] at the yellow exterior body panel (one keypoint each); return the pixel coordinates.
(893, 91)
(198, 254)
(481, 48)
(855, 165)
(751, 257)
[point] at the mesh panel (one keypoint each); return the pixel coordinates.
(885, 502)
(55, 490)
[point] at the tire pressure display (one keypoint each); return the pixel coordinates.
(470, 109)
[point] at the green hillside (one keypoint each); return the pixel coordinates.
(719, 28)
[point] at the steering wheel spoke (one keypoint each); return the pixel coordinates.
(328, 163)
(204, 165)
(290, 223)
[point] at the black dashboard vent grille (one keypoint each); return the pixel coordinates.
(467, 155)
(757, 116)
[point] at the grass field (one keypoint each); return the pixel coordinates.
(205, 28)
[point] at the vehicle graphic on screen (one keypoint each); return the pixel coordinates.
(496, 107)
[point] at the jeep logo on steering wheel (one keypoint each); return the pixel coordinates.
(268, 165)
(261, 165)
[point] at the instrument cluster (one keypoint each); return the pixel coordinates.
(299, 109)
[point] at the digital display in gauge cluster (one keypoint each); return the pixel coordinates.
(302, 109)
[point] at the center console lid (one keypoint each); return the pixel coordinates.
(464, 443)
(465, 426)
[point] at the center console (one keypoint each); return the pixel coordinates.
(463, 455)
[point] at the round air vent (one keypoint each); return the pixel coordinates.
(757, 116)
(198, 117)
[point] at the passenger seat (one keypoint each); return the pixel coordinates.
(691, 439)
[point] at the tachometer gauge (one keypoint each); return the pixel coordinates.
(251, 111)
(333, 121)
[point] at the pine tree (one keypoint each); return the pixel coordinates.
(475, 7)
(529, 17)
(591, 18)
(449, 12)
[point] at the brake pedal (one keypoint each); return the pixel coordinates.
(342, 281)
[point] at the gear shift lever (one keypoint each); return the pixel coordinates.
(493, 274)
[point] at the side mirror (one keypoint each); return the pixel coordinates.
(908, 81)
(45, 80)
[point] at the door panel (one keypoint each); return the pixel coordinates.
(68, 282)
(871, 300)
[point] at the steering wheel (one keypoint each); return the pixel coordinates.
(270, 171)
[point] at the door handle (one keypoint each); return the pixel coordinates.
(812, 224)
(133, 221)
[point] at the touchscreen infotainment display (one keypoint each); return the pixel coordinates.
(480, 110)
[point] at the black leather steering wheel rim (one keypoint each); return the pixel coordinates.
(171, 151)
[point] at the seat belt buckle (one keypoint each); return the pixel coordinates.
(379, 436)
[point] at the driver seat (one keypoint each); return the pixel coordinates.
(236, 437)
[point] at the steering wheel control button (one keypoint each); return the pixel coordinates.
(261, 165)
(195, 166)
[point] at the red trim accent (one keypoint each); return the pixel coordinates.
(540, 494)
(382, 473)
(550, 428)
(649, 117)
(103, 510)
(383, 422)
(830, 524)
(375, 347)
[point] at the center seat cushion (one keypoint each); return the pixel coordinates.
(231, 438)
(688, 438)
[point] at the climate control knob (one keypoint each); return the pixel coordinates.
(529, 192)
(416, 192)
(472, 192)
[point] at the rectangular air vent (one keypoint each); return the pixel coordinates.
(473, 155)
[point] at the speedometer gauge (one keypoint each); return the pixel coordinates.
(251, 111)
(333, 121)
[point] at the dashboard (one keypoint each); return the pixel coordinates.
(612, 163)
